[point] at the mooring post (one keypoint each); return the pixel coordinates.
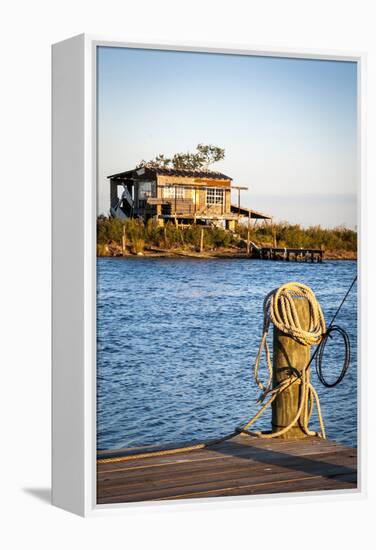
(202, 240)
(289, 356)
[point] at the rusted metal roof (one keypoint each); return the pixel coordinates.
(249, 212)
(205, 174)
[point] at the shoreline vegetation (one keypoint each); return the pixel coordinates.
(133, 237)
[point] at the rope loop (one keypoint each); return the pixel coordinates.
(281, 311)
(281, 304)
(319, 360)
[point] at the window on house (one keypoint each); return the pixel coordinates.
(144, 190)
(170, 190)
(214, 196)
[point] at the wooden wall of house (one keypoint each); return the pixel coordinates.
(209, 182)
(198, 195)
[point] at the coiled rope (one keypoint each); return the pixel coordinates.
(320, 356)
(280, 310)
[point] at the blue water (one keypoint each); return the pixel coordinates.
(177, 339)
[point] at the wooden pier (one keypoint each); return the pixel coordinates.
(290, 254)
(241, 466)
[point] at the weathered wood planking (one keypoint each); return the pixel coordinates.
(241, 466)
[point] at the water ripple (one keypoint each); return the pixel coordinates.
(177, 340)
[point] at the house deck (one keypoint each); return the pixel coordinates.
(240, 466)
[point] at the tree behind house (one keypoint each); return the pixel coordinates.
(204, 156)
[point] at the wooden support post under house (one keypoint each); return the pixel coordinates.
(123, 242)
(248, 232)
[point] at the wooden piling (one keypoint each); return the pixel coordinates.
(248, 233)
(289, 356)
(123, 242)
(202, 240)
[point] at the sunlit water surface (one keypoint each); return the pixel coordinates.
(177, 340)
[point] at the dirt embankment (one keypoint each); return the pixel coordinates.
(340, 255)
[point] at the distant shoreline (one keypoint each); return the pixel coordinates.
(228, 254)
(137, 237)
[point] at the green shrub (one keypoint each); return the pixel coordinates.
(295, 236)
(137, 245)
(217, 237)
(109, 229)
(192, 236)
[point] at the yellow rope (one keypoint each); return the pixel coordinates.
(280, 310)
(151, 453)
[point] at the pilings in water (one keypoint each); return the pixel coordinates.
(291, 254)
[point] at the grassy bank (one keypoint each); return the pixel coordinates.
(149, 238)
(295, 236)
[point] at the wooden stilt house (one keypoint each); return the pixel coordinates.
(183, 196)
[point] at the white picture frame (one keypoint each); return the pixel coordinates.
(74, 267)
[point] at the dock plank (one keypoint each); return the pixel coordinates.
(240, 466)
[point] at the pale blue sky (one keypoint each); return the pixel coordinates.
(288, 126)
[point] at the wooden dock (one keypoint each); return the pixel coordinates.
(289, 254)
(240, 466)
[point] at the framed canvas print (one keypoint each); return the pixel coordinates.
(206, 281)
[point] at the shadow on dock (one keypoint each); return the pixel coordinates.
(325, 468)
